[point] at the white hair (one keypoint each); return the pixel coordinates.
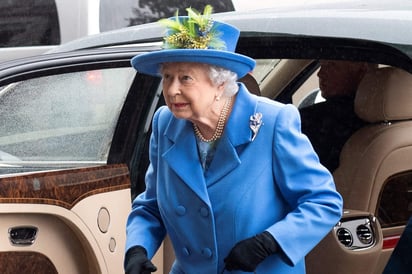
(219, 75)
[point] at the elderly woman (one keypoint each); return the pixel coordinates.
(232, 180)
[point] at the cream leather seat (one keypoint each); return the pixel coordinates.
(383, 148)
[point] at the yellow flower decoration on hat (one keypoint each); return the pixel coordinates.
(196, 31)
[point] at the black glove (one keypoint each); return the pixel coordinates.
(136, 261)
(246, 255)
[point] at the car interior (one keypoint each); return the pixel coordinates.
(383, 100)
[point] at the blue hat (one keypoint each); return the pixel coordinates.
(196, 38)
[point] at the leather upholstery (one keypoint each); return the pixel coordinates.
(385, 95)
(380, 149)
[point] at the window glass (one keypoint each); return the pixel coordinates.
(395, 203)
(135, 12)
(28, 23)
(59, 118)
(263, 68)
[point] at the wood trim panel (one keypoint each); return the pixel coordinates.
(25, 262)
(63, 188)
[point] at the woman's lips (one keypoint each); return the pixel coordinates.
(180, 105)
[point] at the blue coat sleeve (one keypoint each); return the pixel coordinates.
(144, 225)
(306, 185)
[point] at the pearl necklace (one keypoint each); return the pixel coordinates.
(220, 124)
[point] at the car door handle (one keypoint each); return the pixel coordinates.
(23, 235)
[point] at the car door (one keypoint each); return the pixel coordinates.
(65, 176)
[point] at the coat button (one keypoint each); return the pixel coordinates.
(206, 252)
(204, 212)
(180, 210)
(185, 251)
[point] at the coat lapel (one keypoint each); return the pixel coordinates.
(183, 156)
(237, 134)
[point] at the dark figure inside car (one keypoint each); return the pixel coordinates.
(330, 123)
(400, 261)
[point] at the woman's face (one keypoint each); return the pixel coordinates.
(188, 91)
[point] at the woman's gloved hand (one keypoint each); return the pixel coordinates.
(246, 255)
(136, 261)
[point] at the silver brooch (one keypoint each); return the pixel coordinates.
(254, 123)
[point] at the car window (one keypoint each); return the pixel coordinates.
(308, 93)
(61, 118)
(313, 97)
(28, 23)
(395, 203)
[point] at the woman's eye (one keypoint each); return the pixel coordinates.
(186, 78)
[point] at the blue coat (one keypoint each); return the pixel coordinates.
(273, 183)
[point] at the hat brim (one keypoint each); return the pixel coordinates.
(149, 63)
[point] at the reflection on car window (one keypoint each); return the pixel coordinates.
(263, 68)
(28, 23)
(67, 117)
(131, 12)
(395, 203)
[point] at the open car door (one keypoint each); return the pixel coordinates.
(66, 221)
(65, 160)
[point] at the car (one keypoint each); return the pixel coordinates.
(29, 28)
(76, 124)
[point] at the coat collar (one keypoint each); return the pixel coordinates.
(183, 157)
